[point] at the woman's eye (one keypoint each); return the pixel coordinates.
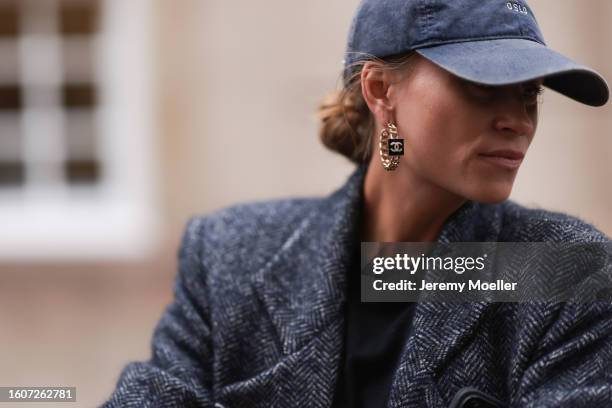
(532, 93)
(487, 93)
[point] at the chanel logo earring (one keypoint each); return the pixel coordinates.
(391, 147)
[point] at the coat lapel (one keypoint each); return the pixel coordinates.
(440, 330)
(304, 285)
(303, 289)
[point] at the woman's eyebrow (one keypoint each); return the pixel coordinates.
(535, 82)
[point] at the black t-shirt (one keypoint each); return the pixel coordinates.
(374, 336)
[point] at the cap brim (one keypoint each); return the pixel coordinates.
(510, 60)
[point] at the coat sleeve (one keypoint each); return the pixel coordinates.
(574, 368)
(179, 371)
(572, 364)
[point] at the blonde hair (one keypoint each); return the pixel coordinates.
(347, 124)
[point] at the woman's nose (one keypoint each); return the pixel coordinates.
(516, 116)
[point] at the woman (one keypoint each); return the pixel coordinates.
(266, 310)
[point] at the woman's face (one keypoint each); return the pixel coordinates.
(465, 138)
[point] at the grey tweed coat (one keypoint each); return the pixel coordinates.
(257, 317)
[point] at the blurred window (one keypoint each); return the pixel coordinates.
(73, 100)
(47, 75)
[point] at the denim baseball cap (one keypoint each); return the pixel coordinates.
(491, 42)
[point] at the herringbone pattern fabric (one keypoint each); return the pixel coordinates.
(257, 317)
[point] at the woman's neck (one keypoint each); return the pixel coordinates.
(398, 207)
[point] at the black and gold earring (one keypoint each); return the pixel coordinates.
(391, 147)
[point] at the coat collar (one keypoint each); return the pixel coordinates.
(303, 289)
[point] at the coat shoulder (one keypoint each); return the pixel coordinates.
(252, 220)
(247, 234)
(533, 224)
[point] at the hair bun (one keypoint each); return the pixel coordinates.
(346, 124)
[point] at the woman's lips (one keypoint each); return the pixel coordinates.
(507, 161)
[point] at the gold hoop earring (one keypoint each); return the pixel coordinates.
(390, 146)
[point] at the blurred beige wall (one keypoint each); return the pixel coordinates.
(241, 83)
(238, 85)
(568, 167)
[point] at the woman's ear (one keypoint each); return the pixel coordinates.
(376, 89)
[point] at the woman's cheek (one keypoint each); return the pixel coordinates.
(436, 161)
